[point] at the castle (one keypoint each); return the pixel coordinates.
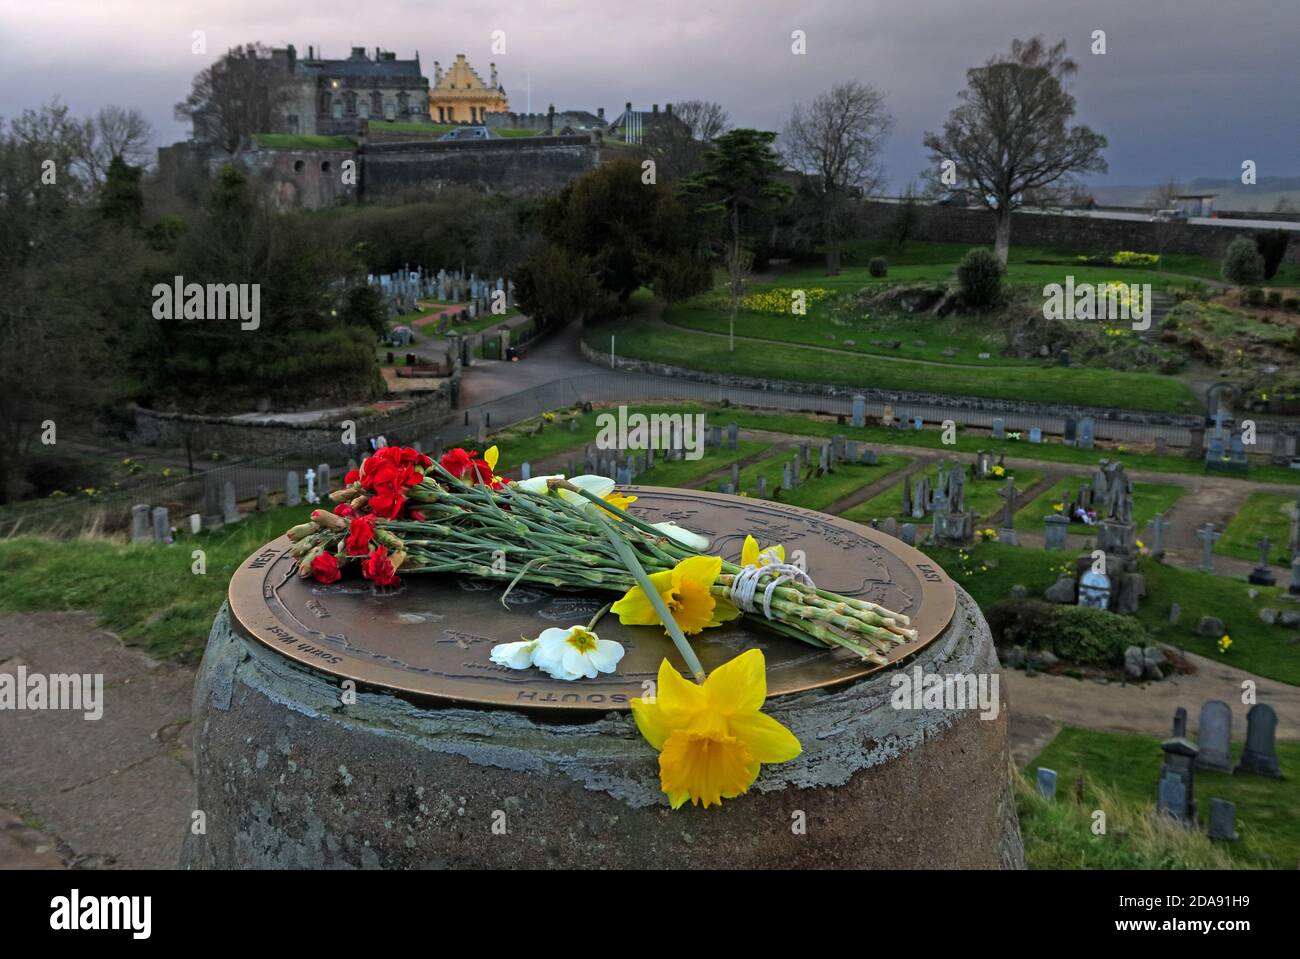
(461, 96)
(339, 96)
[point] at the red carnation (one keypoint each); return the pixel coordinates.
(360, 532)
(325, 568)
(344, 509)
(457, 462)
(378, 568)
(354, 476)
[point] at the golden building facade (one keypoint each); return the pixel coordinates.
(459, 94)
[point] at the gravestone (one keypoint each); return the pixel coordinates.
(859, 416)
(921, 501)
(196, 524)
(762, 486)
(1084, 440)
(735, 476)
(1055, 527)
(162, 526)
(1070, 431)
(1223, 820)
(1208, 538)
(140, 524)
(1094, 590)
(1260, 755)
(1035, 434)
(229, 507)
(263, 498)
(851, 451)
(1176, 790)
(907, 533)
(887, 416)
(890, 526)
(733, 436)
(1214, 737)
(1158, 526)
(525, 470)
(1180, 723)
(786, 482)
(1262, 575)
(1046, 779)
(323, 477)
(907, 496)
(999, 429)
(1294, 587)
(292, 494)
(869, 458)
(918, 423)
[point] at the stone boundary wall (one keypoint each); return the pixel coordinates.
(516, 164)
(943, 224)
(980, 403)
(154, 428)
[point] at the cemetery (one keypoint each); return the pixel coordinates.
(963, 531)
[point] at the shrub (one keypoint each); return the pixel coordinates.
(1292, 303)
(1253, 296)
(1095, 636)
(979, 276)
(1274, 298)
(1243, 264)
(877, 266)
(1082, 635)
(1272, 247)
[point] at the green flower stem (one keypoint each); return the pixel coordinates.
(643, 580)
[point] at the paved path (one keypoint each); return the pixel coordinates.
(116, 792)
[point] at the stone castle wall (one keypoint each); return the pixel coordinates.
(943, 224)
(519, 164)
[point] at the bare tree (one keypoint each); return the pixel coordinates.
(1009, 134)
(1164, 196)
(115, 132)
(677, 141)
(243, 93)
(836, 142)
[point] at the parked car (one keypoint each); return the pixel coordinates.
(1168, 216)
(468, 133)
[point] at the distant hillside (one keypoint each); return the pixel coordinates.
(1233, 195)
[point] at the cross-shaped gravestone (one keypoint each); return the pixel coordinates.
(1208, 538)
(310, 477)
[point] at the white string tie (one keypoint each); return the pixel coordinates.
(746, 582)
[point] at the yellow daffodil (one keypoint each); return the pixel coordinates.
(713, 738)
(685, 590)
(751, 555)
(620, 500)
(491, 457)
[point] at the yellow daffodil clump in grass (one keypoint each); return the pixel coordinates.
(713, 737)
(686, 590)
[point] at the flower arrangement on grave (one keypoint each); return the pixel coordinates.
(403, 513)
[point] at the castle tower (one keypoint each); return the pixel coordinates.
(459, 95)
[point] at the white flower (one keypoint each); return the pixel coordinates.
(683, 536)
(575, 653)
(597, 486)
(536, 484)
(515, 655)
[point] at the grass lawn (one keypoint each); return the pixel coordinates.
(982, 497)
(1268, 810)
(1148, 499)
(146, 594)
(990, 570)
(1263, 514)
(636, 339)
(847, 478)
(668, 472)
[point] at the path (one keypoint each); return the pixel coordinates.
(116, 792)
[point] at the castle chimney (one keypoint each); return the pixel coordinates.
(600, 113)
(311, 52)
(495, 85)
(293, 57)
(379, 54)
(550, 120)
(654, 108)
(437, 73)
(668, 108)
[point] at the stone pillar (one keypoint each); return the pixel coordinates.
(289, 778)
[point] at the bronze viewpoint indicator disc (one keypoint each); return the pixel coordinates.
(430, 637)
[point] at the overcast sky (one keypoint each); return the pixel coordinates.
(1186, 87)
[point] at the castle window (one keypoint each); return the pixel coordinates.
(325, 166)
(376, 104)
(297, 166)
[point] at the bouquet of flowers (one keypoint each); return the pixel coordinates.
(403, 512)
